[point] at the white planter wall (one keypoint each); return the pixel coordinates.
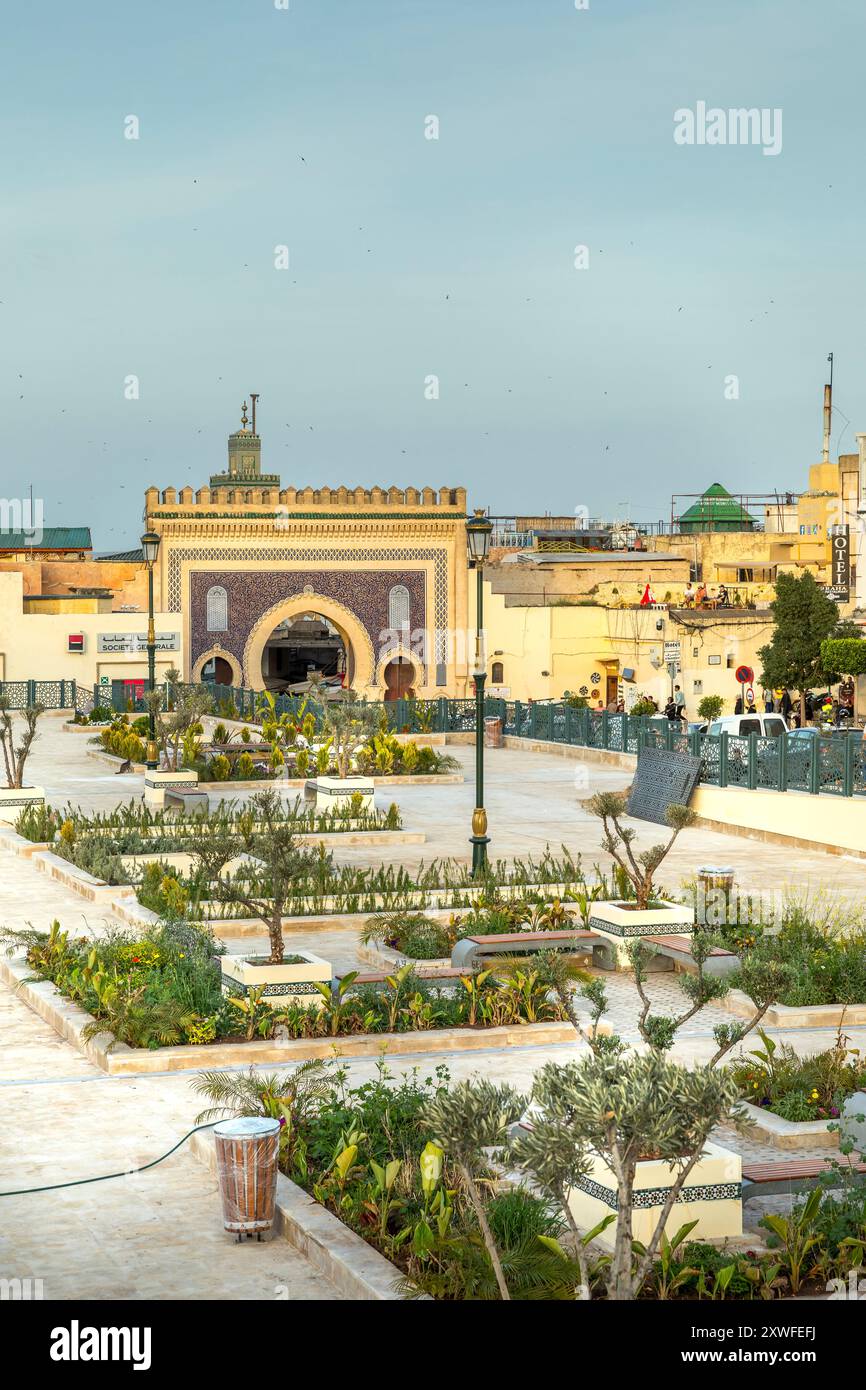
(712, 1196)
(13, 800)
(334, 792)
(283, 984)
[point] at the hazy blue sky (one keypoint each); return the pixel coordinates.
(411, 257)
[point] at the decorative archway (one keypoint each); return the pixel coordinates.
(360, 657)
(221, 654)
(398, 650)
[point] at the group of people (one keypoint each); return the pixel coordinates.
(820, 709)
(698, 596)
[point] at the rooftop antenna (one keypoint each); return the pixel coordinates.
(828, 412)
(254, 395)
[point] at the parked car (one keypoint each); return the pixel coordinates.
(767, 725)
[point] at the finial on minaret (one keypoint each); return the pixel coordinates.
(244, 416)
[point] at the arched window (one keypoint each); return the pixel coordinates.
(497, 676)
(217, 607)
(398, 608)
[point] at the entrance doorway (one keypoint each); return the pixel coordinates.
(302, 647)
(399, 675)
(611, 688)
(217, 670)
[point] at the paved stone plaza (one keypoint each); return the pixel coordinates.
(160, 1235)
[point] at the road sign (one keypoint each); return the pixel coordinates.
(672, 652)
(750, 695)
(745, 675)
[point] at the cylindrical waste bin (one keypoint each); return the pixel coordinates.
(247, 1154)
(716, 876)
(492, 732)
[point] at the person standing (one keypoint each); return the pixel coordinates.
(786, 704)
(680, 702)
(738, 705)
(768, 702)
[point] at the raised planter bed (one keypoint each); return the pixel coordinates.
(712, 1196)
(292, 982)
(788, 1134)
(110, 760)
(13, 800)
(799, 1016)
(334, 792)
(619, 923)
(118, 1059)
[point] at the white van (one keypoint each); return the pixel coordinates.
(767, 725)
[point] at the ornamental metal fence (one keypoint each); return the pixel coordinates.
(815, 762)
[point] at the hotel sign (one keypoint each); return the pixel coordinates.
(135, 643)
(840, 563)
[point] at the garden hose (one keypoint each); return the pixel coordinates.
(81, 1182)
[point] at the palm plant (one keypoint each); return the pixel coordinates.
(250, 1093)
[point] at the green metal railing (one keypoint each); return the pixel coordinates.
(832, 764)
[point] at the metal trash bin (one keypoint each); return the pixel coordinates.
(492, 732)
(247, 1152)
(715, 876)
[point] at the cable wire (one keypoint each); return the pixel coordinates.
(82, 1182)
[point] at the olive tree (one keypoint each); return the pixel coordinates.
(177, 724)
(611, 807)
(14, 757)
(267, 882)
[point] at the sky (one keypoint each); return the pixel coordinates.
(606, 386)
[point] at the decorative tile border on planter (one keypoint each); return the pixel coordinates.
(353, 1266)
(293, 983)
(157, 782)
(118, 1059)
(334, 792)
(13, 800)
(712, 1196)
(800, 1016)
(618, 923)
(788, 1134)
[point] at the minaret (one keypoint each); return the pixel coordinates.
(245, 457)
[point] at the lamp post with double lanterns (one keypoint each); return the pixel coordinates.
(478, 529)
(150, 547)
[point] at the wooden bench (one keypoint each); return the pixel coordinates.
(471, 949)
(679, 949)
(783, 1176)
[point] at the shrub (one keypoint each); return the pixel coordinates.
(220, 768)
(245, 768)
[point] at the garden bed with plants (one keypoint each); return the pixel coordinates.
(402, 937)
(800, 1090)
(164, 990)
(822, 950)
(424, 1171)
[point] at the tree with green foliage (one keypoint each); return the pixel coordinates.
(804, 618)
(266, 882)
(14, 757)
(844, 656)
(610, 807)
(710, 707)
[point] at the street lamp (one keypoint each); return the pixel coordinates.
(150, 548)
(478, 529)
